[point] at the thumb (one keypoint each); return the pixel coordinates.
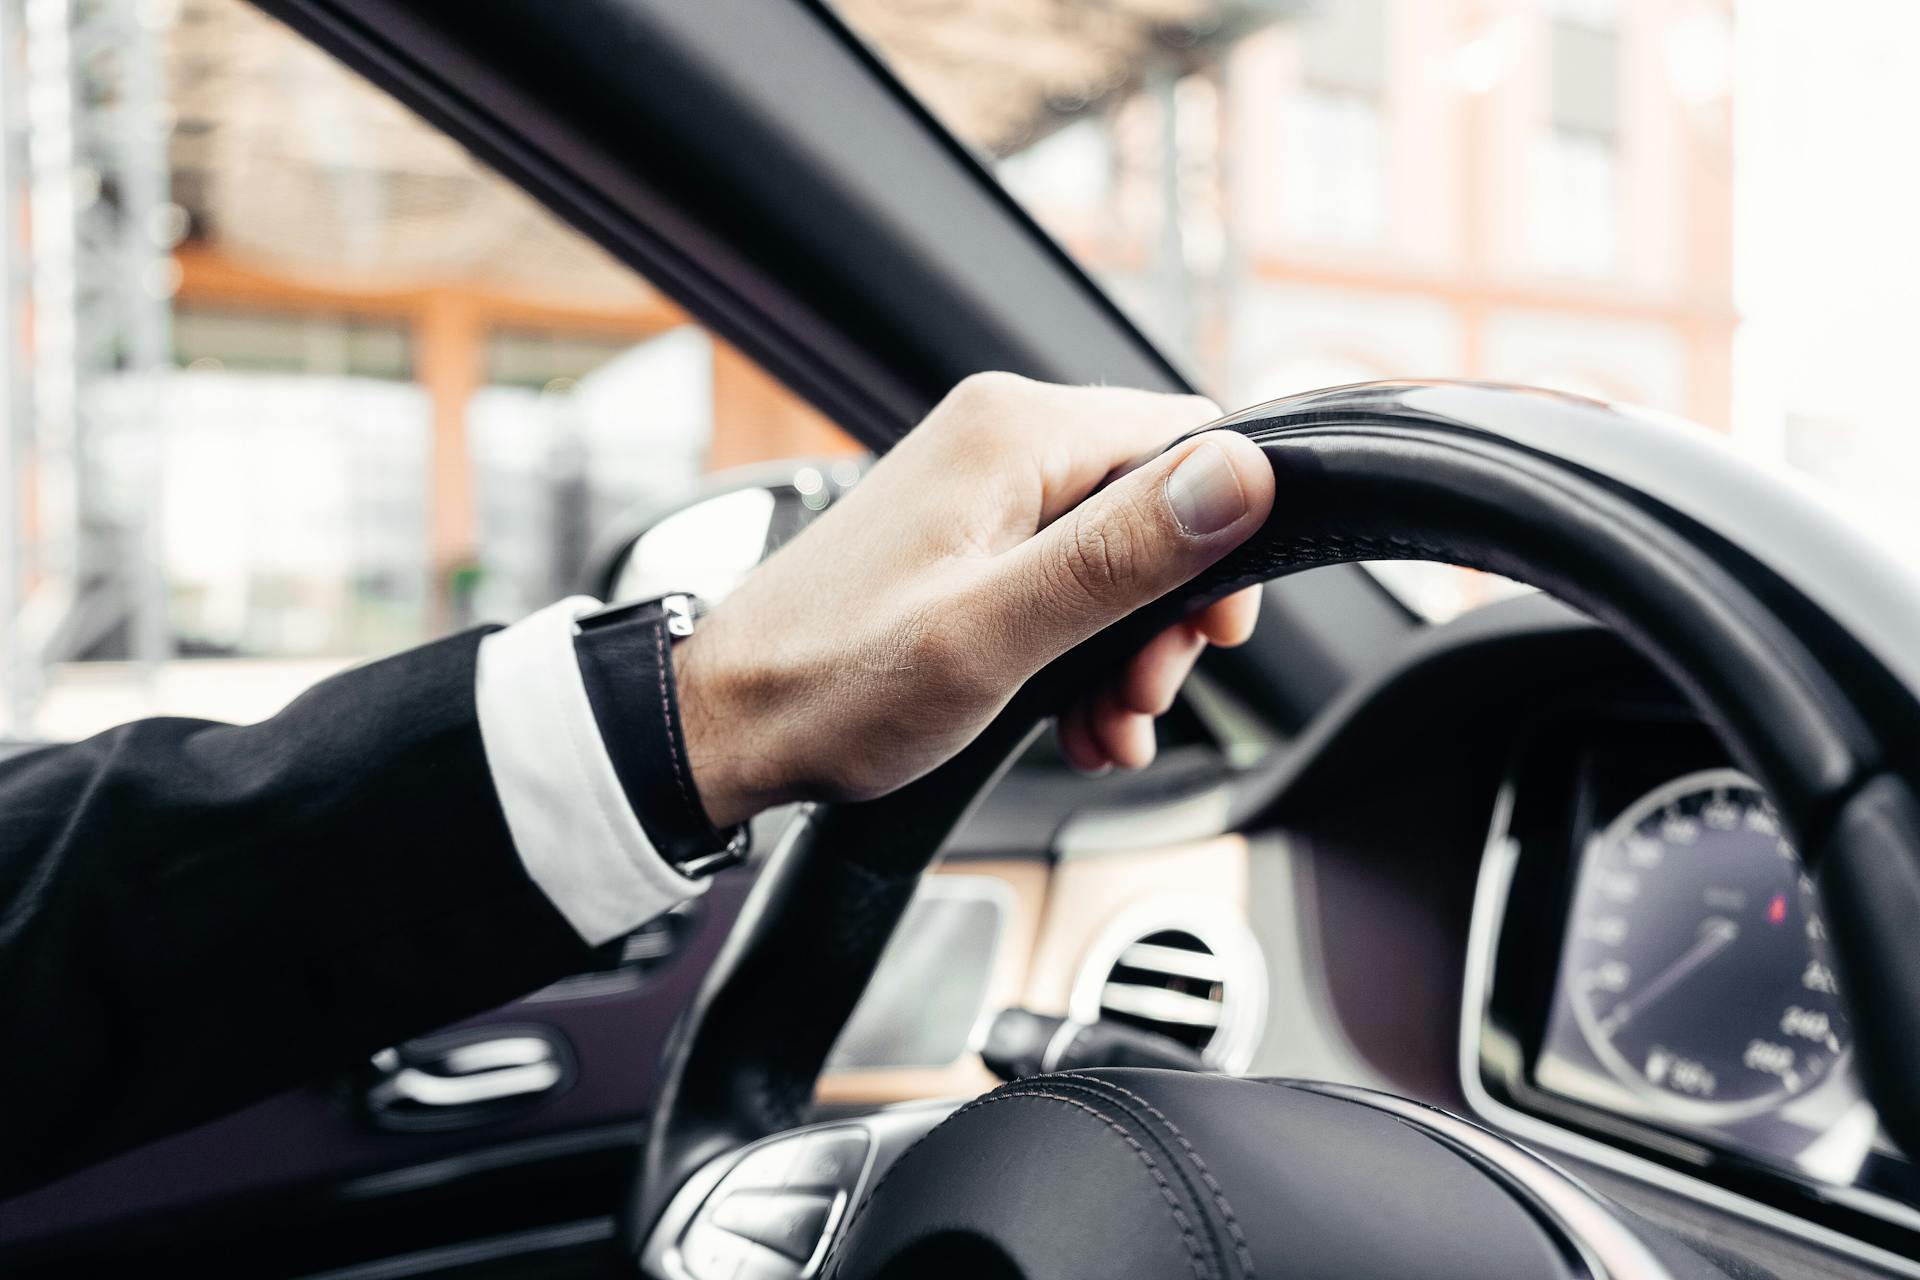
(1136, 540)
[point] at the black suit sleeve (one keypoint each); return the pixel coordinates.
(195, 915)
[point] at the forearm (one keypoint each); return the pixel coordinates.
(194, 915)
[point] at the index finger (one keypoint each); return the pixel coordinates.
(1097, 434)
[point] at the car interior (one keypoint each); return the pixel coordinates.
(1571, 937)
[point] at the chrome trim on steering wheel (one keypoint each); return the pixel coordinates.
(888, 1133)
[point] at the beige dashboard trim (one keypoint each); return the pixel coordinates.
(1089, 892)
(1057, 912)
(1026, 881)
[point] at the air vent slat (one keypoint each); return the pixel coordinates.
(1160, 1005)
(1195, 978)
(1202, 966)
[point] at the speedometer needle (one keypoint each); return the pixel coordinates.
(1714, 937)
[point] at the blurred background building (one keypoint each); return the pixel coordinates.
(1292, 194)
(291, 380)
(294, 380)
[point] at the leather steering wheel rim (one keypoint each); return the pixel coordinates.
(1785, 633)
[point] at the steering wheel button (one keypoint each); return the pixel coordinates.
(790, 1222)
(765, 1167)
(708, 1253)
(831, 1160)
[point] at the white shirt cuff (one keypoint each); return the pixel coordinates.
(568, 815)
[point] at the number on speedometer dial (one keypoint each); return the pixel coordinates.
(1698, 966)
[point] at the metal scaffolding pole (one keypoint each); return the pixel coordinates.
(16, 375)
(97, 124)
(53, 550)
(133, 129)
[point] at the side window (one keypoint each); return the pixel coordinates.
(297, 381)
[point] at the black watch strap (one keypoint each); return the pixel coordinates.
(626, 662)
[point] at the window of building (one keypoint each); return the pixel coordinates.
(1585, 70)
(1333, 182)
(322, 345)
(1577, 197)
(1343, 47)
(1333, 186)
(545, 360)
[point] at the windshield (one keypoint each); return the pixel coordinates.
(1683, 204)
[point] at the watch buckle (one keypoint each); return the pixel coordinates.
(681, 611)
(732, 854)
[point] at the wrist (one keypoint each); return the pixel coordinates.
(730, 771)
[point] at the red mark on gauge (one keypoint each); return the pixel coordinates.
(1777, 909)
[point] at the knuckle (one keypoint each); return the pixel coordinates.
(988, 389)
(936, 655)
(981, 413)
(928, 650)
(1102, 555)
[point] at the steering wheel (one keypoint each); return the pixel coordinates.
(1792, 636)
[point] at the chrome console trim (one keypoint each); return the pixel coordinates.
(1585, 1222)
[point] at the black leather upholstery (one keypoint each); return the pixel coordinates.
(1798, 656)
(1117, 1175)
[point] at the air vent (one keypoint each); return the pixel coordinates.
(1200, 983)
(1169, 982)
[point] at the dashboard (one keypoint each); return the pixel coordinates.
(1649, 970)
(1636, 980)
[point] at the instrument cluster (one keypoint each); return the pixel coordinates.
(1696, 982)
(1652, 972)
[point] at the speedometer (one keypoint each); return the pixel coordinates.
(1697, 963)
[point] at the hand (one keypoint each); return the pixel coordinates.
(882, 640)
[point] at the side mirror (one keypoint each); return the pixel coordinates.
(707, 543)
